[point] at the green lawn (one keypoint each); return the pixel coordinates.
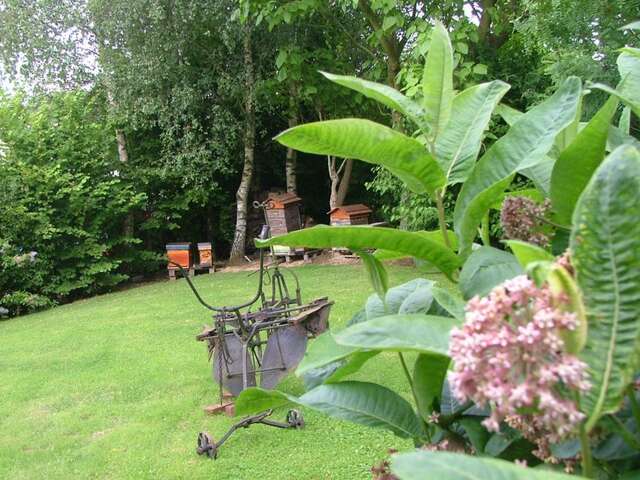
(113, 387)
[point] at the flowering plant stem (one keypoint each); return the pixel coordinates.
(441, 218)
(413, 391)
(585, 447)
(484, 230)
(409, 379)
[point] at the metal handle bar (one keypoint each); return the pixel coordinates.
(227, 308)
(264, 234)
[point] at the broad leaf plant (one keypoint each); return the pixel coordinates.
(589, 171)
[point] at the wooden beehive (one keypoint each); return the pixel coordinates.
(205, 253)
(283, 213)
(179, 253)
(357, 214)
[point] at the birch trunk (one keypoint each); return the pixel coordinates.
(292, 157)
(123, 155)
(242, 195)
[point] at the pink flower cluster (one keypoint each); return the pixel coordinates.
(522, 219)
(508, 355)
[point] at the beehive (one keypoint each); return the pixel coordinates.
(206, 255)
(357, 214)
(283, 213)
(179, 253)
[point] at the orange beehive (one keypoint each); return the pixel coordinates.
(179, 253)
(357, 214)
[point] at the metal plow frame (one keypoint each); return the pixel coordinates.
(267, 343)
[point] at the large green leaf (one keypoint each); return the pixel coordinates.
(477, 433)
(509, 114)
(578, 161)
(367, 404)
(632, 26)
(524, 145)
(358, 238)
(412, 297)
(605, 242)
(562, 284)
(453, 304)
(527, 253)
(378, 276)
(624, 124)
(437, 80)
(254, 399)
(629, 68)
(624, 96)
(457, 147)
(540, 174)
(420, 465)
(360, 402)
(351, 365)
(569, 133)
(370, 142)
(434, 235)
(323, 351)
(485, 268)
(326, 361)
(429, 372)
(387, 96)
(618, 137)
(408, 332)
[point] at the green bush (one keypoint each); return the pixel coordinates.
(62, 197)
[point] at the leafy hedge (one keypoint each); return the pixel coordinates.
(63, 197)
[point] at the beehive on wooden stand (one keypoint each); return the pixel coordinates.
(205, 254)
(179, 253)
(283, 213)
(284, 216)
(357, 214)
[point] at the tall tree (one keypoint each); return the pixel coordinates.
(242, 195)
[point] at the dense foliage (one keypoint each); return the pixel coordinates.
(62, 198)
(158, 91)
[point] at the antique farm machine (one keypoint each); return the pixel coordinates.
(260, 341)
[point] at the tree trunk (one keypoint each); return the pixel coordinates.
(292, 157)
(339, 183)
(242, 195)
(393, 68)
(485, 20)
(392, 48)
(123, 155)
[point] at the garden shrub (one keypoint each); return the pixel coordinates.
(62, 197)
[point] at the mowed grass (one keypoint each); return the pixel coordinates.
(114, 387)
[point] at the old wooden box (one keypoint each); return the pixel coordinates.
(205, 254)
(283, 213)
(179, 253)
(357, 214)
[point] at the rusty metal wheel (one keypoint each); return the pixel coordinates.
(295, 419)
(206, 445)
